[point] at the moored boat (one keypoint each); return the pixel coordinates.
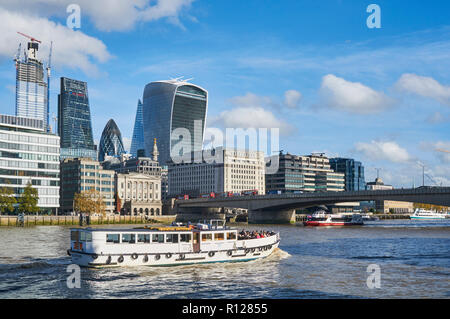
(421, 213)
(168, 246)
(322, 218)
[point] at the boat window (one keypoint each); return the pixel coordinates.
(185, 238)
(128, 238)
(206, 237)
(172, 238)
(231, 235)
(74, 235)
(82, 236)
(143, 238)
(88, 236)
(219, 236)
(112, 238)
(158, 238)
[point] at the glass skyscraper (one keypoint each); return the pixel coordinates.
(111, 142)
(170, 105)
(31, 89)
(137, 142)
(353, 173)
(74, 120)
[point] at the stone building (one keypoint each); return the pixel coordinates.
(138, 194)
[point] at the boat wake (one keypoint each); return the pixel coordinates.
(278, 254)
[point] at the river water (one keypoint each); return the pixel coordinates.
(413, 258)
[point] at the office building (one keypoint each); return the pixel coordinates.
(353, 173)
(141, 165)
(31, 88)
(111, 142)
(234, 171)
(137, 141)
(74, 120)
(310, 173)
(28, 154)
(138, 194)
(83, 174)
(387, 206)
(170, 109)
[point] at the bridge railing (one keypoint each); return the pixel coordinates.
(407, 191)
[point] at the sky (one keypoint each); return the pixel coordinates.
(313, 69)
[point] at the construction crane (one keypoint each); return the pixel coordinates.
(49, 67)
(29, 37)
(17, 57)
(33, 46)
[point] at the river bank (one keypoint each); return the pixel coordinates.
(75, 220)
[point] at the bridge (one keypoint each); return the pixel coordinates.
(280, 208)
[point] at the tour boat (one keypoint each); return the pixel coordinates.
(322, 218)
(167, 246)
(421, 213)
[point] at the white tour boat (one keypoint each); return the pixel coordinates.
(323, 218)
(421, 213)
(168, 246)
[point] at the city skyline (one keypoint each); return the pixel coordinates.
(338, 88)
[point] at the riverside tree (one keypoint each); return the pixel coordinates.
(89, 202)
(28, 200)
(7, 200)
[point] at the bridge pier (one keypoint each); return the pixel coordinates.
(271, 216)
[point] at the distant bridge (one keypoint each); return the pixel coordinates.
(281, 208)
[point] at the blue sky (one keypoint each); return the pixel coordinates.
(312, 68)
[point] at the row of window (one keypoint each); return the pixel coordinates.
(148, 238)
(29, 139)
(29, 156)
(163, 238)
(30, 148)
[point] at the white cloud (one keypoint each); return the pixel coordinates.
(252, 117)
(390, 151)
(425, 87)
(352, 97)
(437, 118)
(72, 49)
(107, 15)
(292, 98)
(440, 148)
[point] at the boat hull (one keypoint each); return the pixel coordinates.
(173, 259)
(426, 217)
(318, 223)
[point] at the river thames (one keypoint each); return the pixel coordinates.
(413, 256)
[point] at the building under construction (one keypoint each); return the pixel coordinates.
(31, 88)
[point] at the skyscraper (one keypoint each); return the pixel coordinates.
(111, 142)
(137, 141)
(171, 105)
(353, 173)
(31, 89)
(74, 120)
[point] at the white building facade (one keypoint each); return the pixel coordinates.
(28, 154)
(221, 171)
(138, 194)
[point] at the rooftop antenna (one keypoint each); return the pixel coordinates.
(378, 172)
(55, 119)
